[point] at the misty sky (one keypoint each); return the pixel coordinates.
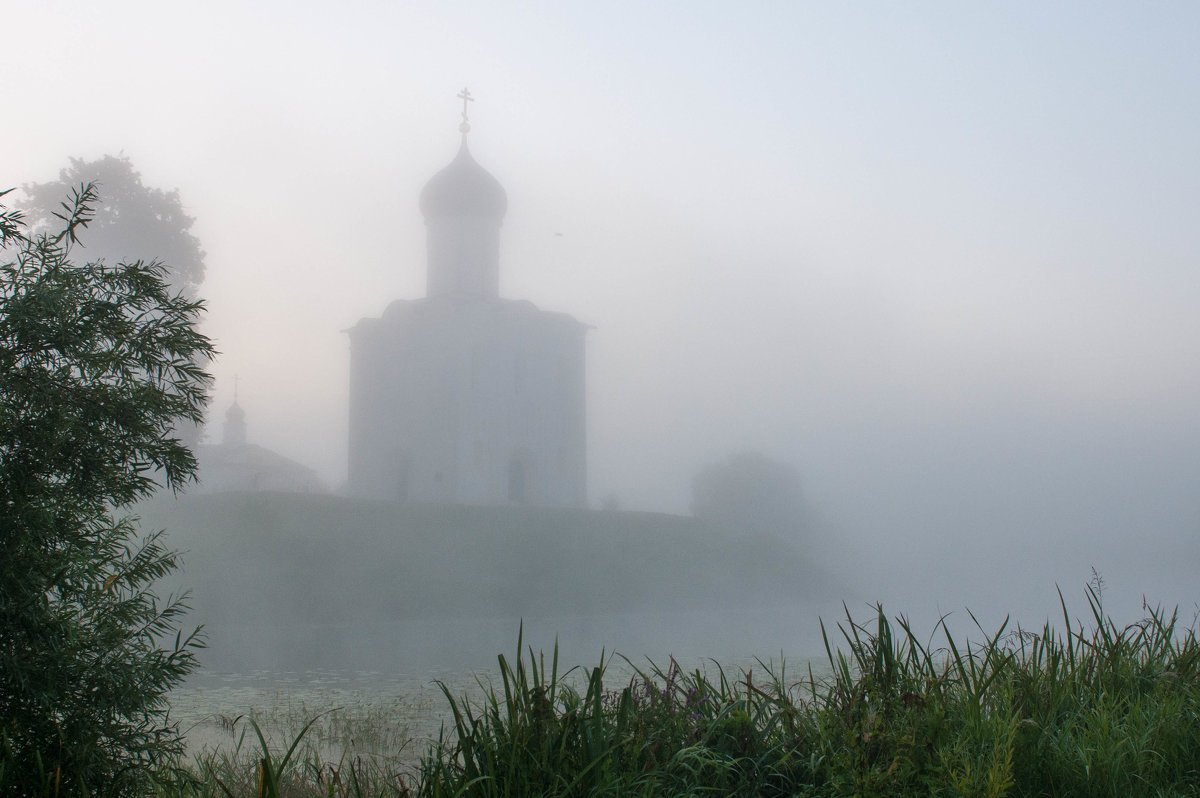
(942, 257)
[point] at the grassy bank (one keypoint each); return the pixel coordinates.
(1091, 709)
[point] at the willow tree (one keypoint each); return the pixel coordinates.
(99, 364)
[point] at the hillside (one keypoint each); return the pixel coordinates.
(262, 563)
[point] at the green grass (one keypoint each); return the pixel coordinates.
(1092, 709)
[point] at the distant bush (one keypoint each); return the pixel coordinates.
(750, 491)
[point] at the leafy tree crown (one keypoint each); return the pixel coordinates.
(98, 364)
(129, 221)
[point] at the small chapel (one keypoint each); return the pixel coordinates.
(464, 396)
(234, 465)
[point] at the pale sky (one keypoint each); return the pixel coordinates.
(944, 258)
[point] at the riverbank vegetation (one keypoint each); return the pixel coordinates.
(1073, 709)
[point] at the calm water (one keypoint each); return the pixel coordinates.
(390, 715)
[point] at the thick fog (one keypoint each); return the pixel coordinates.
(942, 259)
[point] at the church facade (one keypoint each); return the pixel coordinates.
(465, 397)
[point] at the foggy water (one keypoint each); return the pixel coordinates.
(464, 644)
(372, 713)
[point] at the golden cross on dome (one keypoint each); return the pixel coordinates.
(466, 97)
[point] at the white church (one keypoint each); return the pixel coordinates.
(465, 397)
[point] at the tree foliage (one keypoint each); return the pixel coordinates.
(98, 364)
(130, 221)
(749, 490)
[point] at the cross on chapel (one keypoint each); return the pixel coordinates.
(466, 97)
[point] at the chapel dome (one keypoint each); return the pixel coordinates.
(464, 188)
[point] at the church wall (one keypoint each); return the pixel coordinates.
(468, 390)
(401, 416)
(533, 418)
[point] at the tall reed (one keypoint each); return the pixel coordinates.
(1074, 709)
(1088, 710)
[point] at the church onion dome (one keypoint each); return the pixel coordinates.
(464, 188)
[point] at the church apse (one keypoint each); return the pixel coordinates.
(462, 396)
